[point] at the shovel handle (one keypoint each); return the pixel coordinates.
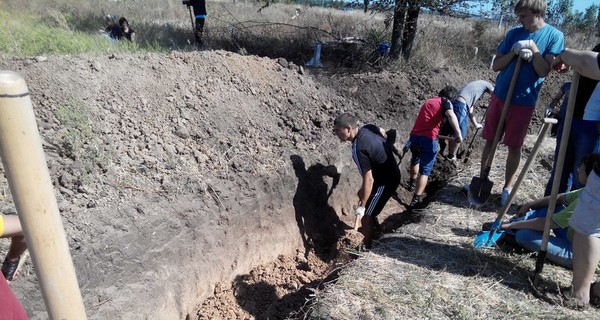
(560, 162)
(507, 101)
(35, 201)
(357, 223)
(441, 137)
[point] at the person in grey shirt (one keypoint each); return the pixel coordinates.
(463, 108)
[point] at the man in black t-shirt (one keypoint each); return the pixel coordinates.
(376, 163)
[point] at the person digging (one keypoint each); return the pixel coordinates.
(424, 140)
(537, 43)
(377, 165)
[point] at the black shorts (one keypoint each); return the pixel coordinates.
(378, 198)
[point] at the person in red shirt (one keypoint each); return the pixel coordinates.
(424, 139)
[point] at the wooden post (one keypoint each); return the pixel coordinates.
(35, 201)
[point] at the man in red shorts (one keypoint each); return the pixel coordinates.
(537, 43)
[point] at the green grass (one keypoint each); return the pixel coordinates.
(80, 141)
(29, 35)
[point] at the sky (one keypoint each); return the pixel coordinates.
(581, 5)
(578, 5)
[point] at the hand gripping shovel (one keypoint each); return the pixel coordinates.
(487, 239)
(481, 187)
(560, 162)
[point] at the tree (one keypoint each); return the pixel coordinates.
(503, 10)
(586, 20)
(405, 18)
(560, 13)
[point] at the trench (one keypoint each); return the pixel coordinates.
(284, 288)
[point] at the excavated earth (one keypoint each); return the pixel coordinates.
(208, 185)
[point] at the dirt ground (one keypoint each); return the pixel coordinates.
(208, 185)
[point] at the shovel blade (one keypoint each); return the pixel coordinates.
(487, 239)
(480, 190)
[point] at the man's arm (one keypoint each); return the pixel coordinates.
(472, 118)
(502, 60)
(454, 124)
(540, 203)
(541, 64)
(584, 62)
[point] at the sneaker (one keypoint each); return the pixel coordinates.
(504, 196)
(412, 185)
(451, 159)
(416, 202)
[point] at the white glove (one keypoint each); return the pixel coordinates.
(478, 126)
(526, 55)
(548, 111)
(520, 45)
(360, 211)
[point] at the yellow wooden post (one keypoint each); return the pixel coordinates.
(35, 201)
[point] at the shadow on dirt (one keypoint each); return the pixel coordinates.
(400, 219)
(458, 260)
(457, 197)
(261, 299)
(318, 223)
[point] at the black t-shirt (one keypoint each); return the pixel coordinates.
(370, 151)
(127, 35)
(584, 92)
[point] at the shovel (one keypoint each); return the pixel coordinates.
(560, 162)
(481, 187)
(487, 239)
(470, 147)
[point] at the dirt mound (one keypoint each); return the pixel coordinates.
(177, 174)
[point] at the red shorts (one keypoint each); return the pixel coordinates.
(515, 124)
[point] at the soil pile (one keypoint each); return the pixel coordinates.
(177, 174)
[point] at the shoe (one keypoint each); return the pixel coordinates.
(412, 185)
(504, 196)
(451, 159)
(416, 202)
(10, 268)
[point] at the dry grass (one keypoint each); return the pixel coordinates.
(430, 270)
(274, 32)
